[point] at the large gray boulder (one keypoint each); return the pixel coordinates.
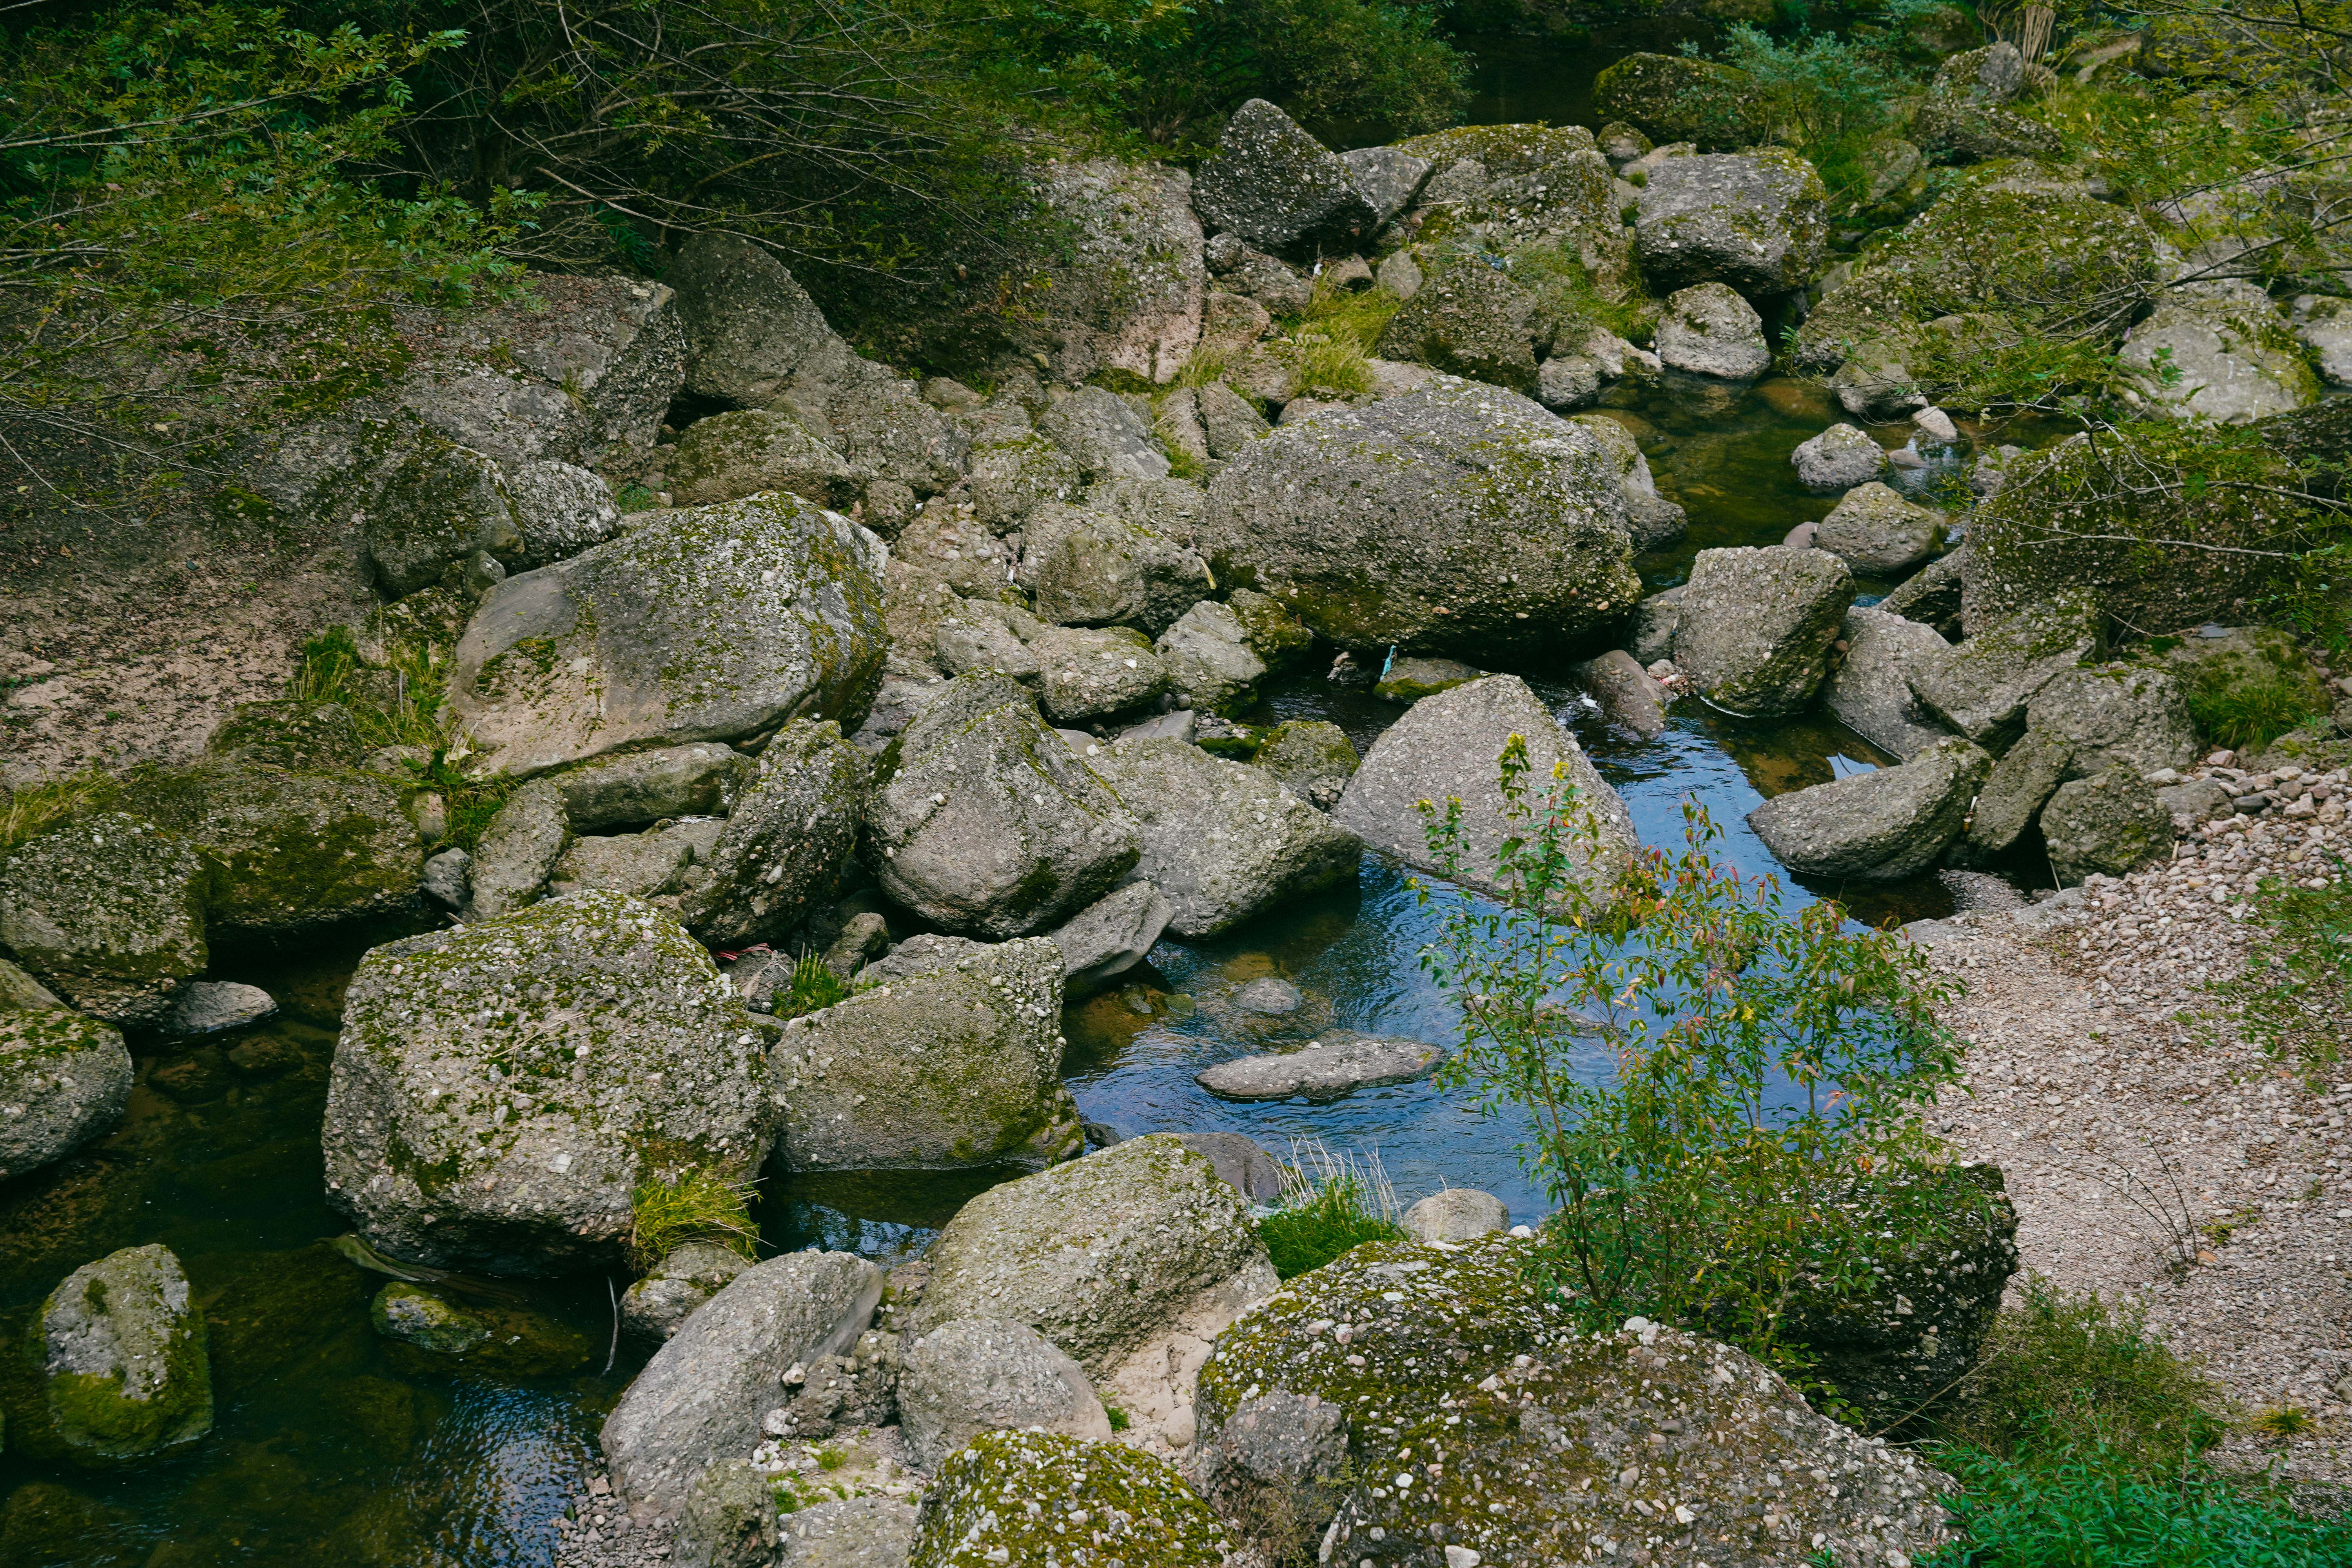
(1210, 665)
(1093, 1502)
(751, 330)
(1092, 673)
(64, 1079)
(2111, 823)
(1278, 188)
(985, 1374)
(1931, 595)
(1870, 692)
(711, 624)
(1106, 940)
(2013, 796)
(1756, 625)
(1839, 458)
(1755, 220)
(1223, 840)
(1709, 329)
(438, 505)
(1471, 319)
(1982, 690)
(502, 1090)
(1455, 1214)
(1107, 439)
(787, 841)
(1100, 1255)
(517, 852)
(983, 820)
(1877, 532)
(1455, 519)
(952, 1058)
(1654, 521)
(1446, 748)
(1881, 825)
(2116, 716)
(2229, 341)
(1124, 289)
(1089, 568)
(559, 508)
(1312, 758)
(729, 455)
(122, 1358)
(109, 911)
(702, 1397)
(1388, 178)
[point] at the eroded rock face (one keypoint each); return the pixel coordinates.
(500, 1089)
(983, 820)
(952, 1058)
(1101, 1254)
(1756, 625)
(1881, 825)
(1313, 758)
(1983, 688)
(123, 1364)
(1458, 518)
(711, 624)
(64, 1079)
(1124, 1505)
(986, 1375)
(1277, 188)
(109, 912)
(1870, 692)
(1454, 1354)
(1755, 220)
(786, 843)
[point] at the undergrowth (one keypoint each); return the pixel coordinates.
(416, 717)
(1330, 1204)
(2246, 711)
(814, 987)
(2295, 991)
(698, 1205)
(29, 812)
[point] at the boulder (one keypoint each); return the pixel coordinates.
(952, 1059)
(1124, 287)
(1455, 1214)
(1240, 1164)
(867, 1532)
(1274, 634)
(1224, 841)
(1654, 521)
(1100, 1255)
(786, 843)
(1709, 329)
(1469, 320)
(109, 911)
(123, 1360)
(702, 1395)
(1877, 532)
(1210, 665)
(2116, 716)
(729, 455)
(1408, 680)
(216, 1006)
(988, 1375)
(517, 851)
(1673, 97)
(1627, 693)
(1756, 625)
(636, 789)
(1755, 220)
(1881, 825)
(1107, 439)
(1320, 1070)
(1446, 747)
(710, 624)
(1931, 596)
(1012, 477)
(64, 1080)
(1228, 421)
(1094, 674)
(980, 637)
(1568, 381)
(1983, 688)
(2013, 796)
(2219, 350)
(1106, 939)
(1956, 129)
(1312, 758)
(501, 1088)
(18, 989)
(1655, 621)
(1277, 188)
(729, 1519)
(559, 508)
(448, 879)
(1838, 459)
(1457, 517)
(1091, 568)
(1268, 282)
(1870, 692)
(438, 505)
(1388, 178)
(1094, 1501)
(1454, 1353)
(752, 331)
(982, 819)
(659, 1305)
(2111, 823)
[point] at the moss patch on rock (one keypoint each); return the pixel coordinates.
(1045, 1500)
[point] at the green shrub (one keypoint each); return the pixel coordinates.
(698, 1204)
(2246, 709)
(2081, 1512)
(2295, 991)
(1330, 1204)
(1824, 95)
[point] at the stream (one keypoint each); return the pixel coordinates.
(333, 1442)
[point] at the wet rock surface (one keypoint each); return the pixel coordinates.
(1322, 1069)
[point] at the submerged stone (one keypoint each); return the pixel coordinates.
(123, 1359)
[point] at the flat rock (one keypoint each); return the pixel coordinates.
(210, 1006)
(1108, 938)
(1321, 1071)
(1881, 825)
(868, 1531)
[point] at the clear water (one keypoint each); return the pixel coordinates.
(330, 1440)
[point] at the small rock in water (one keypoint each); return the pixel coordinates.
(1270, 996)
(1411, 680)
(1321, 1071)
(208, 1007)
(1935, 422)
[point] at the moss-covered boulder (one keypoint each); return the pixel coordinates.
(1274, 634)
(1087, 568)
(501, 1340)
(949, 1055)
(1458, 518)
(1311, 758)
(64, 1079)
(709, 624)
(1102, 1255)
(290, 733)
(1673, 98)
(1484, 1428)
(1757, 221)
(122, 1358)
(2221, 350)
(502, 1090)
(1961, 130)
(1876, 826)
(787, 841)
(2111, 823)
(1983, 688)
(109, 911)
(1517, 184)
(1044, 1498)
(983, 820)
(729, 455)
(436, 506)
(1468, 318)
(1210, 664)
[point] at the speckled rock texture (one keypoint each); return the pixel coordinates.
(124, 1362)
(2112, 823)
(1983, 688)
(728, 1520)
(64, 1079)
(1100, 1255)
(1311, 758)
(1838, 459)
(1223, 840)
(1483, 1429)
(2229, 341)
(1870, 692)
(1654, 521)
(109, 911)
(1323, 1069)
(1709, 329)
(1447, 747)
(871, 1532)
(983, 820)
(702, 1395)
(1468, 318)
(438, 505)
(517, 851)
(951, 1059)
(986, 1375)
(500, 1089)
(658, 1306)
(1109, 937)
(1016, 471)
(1388, 178)
(1089, 673)
(214, 1007)
(1670, 97)
(787, 842)
(1087, 568)
(749, 328)
(2013, 796)
(2116, 716)
(1044, 1498)
(1878, 533)
(1458, 518)
(710, 624)
(1931, 595)
(636, 789)
(1124, 293)
(1107, 439)
(1455, 1214)
(1520, 184)
(1210, 665)
(1881, 825)
(18, 989)
(559, 508)
(1278, 188)
(729, 455)
(1630, 695)
(1755, 220)
(1756, 625)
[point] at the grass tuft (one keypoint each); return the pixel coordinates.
(2249, 712)
(1330, 1204)
(35, 809)
(815, 988)
(698, 1206)
(1329, 367)
(2284, 1421)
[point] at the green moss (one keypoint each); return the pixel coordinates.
(1035, 1498)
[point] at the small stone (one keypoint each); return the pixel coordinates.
(1270, 996)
